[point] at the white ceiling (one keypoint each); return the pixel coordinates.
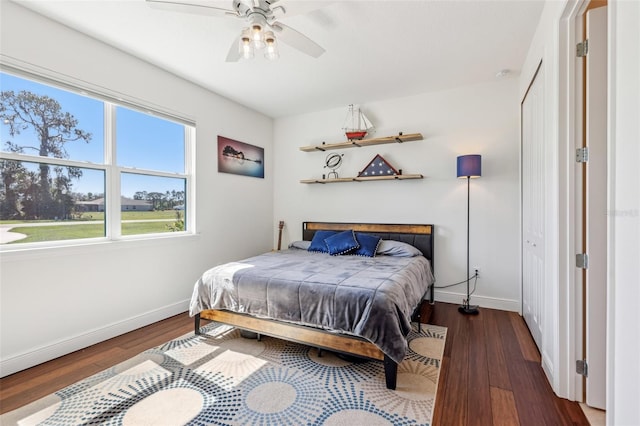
(374, 49)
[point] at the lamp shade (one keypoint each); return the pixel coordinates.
(469, 166)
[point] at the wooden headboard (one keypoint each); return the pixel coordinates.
(419, 236)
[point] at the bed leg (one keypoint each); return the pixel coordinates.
(196, 324)
(390, 372)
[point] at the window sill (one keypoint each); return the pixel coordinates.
(10, 252)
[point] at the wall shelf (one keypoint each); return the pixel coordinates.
(362, 179)
(400, 138)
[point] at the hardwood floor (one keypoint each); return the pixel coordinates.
(491, 372)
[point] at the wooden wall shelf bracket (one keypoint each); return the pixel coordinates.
(363, 179)
(399, 138)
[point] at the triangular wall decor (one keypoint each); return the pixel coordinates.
(378, 167)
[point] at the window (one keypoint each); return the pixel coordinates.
(63, 177)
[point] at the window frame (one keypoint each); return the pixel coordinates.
(112, 171)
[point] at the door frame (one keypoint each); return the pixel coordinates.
(570, 327)
(572, 333)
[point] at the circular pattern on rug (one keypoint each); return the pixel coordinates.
(271, 397)
(220, 378)
(414, 394)
(282, 396)
(328, 368)
(350, 400)
(166, 407)
(216, 402)
(356, 417)
(429, 347)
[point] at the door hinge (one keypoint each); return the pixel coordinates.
(582, 155)
(582, 260)
(582, 49)
(582, 368)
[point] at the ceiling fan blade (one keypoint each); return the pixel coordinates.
(191, 6)
(234, 52)
(297, 40)
(297, 7)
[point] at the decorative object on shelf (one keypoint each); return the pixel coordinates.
(356, 124)
(378, 167)
(399, 138)
(333, 161)
(240, 158)
(469, 167)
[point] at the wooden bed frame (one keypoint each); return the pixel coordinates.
(420, 236)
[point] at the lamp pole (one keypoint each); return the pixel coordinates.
(469, 166)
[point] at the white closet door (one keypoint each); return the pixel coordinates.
(533, 205)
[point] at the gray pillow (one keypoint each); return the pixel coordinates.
(302, 245)
(397, 248)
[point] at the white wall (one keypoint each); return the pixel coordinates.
(480, 119)
(56, 301)
(623, 326)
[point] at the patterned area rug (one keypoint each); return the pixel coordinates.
(222, 378)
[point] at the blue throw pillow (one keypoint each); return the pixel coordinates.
(368, 245)
(341, 243)
(317, 242)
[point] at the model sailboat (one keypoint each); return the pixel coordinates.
(356, 125)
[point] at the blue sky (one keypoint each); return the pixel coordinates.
(143, 141)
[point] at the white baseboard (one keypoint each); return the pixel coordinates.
(482, 301)
(46, 353)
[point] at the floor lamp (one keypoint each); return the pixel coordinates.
(469, 167)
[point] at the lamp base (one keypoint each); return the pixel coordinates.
(468, 309)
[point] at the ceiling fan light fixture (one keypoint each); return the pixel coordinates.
(257, 35)
(245, 45)
(271, 51)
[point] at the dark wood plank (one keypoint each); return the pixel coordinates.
(456, 398)
(439, 409)
(503, 407)
(479, 392)
(498, 373)
(527, 345)
(528, 402)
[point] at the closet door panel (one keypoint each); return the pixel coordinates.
(533, 197)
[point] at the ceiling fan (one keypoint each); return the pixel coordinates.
(263, 30)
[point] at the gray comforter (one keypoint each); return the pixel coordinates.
(372, 298)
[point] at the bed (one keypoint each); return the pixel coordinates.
(359, 305)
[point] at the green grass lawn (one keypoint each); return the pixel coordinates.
(127, 215)
(163, 214)
(57, 231)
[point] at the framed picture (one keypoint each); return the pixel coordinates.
(240, 158)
